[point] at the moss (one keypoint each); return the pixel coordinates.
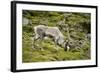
(49, 52)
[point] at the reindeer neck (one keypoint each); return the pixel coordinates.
(61, 40)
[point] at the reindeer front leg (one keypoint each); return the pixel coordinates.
(33, 40)
(56, 43)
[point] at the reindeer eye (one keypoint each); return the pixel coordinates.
(70, 42)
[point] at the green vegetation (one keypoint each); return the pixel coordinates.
(74, 26)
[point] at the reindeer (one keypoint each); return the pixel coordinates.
(42, 31)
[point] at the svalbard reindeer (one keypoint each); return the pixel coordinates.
(42, 31)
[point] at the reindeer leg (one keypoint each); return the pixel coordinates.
(41, 48)
(56, 44)
(34, 42)
(40, 42)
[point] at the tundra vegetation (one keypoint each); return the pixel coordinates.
(76, 27)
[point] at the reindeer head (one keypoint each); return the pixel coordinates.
(66, 45)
